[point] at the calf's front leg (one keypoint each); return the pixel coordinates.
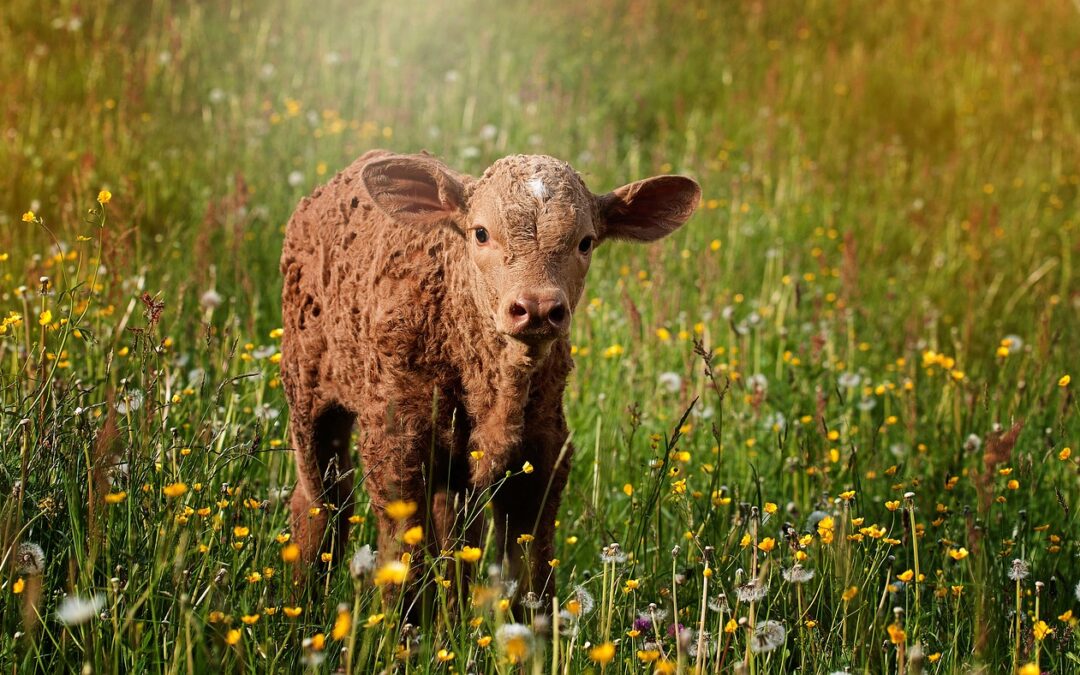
(526, 506)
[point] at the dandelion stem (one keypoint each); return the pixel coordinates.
(699, 660)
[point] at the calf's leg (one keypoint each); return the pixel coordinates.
(323, 493)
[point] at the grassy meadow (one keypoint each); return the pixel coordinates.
(828, 426)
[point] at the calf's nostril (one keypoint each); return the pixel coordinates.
(518, 310)
(556, 314)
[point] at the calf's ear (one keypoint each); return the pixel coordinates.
(414, 190)
(648, 209)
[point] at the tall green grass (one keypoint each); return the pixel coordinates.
(876, 299)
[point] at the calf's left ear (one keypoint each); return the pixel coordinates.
(649, 209)
(414, 189)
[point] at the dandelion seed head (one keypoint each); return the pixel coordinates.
(515, 639)
(754, 590)
(797, 574)
(30, 559)
(670, 381)
(612, 553)
(972, 443)
(532, 601)
(1019, 570)
(757, 383)
(75, 610)
(585, 599)
(849, 380)
(719, 603)
(210, 299)
(362, 562)
(767, 636)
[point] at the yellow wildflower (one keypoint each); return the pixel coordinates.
(175, 490)
(602, 654)
(394, 572)
(342, 624)
(400, 510)
(413, 535)
(469, 554)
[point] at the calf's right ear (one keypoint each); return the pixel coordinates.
(414, 190)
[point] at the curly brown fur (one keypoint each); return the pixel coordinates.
(446, 354)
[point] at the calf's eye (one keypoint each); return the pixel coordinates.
(586, 245)
(481, 235)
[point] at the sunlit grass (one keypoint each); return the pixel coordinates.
(828, 425)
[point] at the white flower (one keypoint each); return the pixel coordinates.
(363, 561)
(295, 178)
(1013, 343)
(972, 443)
(798, 574)
(867, 404)
(757, 383)
(752, 591)
(1077, 591)
(131, 401)
(264, 352)
(217, 95)
(585, 599)
(774, 422)
(670, 381)
(532, 601)
(515, 638)
(30, 559)
(75, 610)
(1019, 570)
(267, 412)
(849, 380)
(489, 132)
(768, 635)
(211, 299)
(612, 554)
(718, 603)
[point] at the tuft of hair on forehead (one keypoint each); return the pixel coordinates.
(540, 176)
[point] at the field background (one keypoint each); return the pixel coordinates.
(883, 266)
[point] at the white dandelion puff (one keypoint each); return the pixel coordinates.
(1019, 570)
(754, 590)
(585, 600)
(757, 383)
(132, 401)
(363, 561)
(210, 299)
(75, 610)
(1014, 343)
(972, 443)
(515, 639)
(767, 636)
(669, 381)
(30, 559)
(849, 380)
(797, 574)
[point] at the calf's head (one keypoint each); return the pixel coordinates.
(530, 227)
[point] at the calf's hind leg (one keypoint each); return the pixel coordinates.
(324, 481)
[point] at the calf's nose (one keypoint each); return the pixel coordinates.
(539, 310)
